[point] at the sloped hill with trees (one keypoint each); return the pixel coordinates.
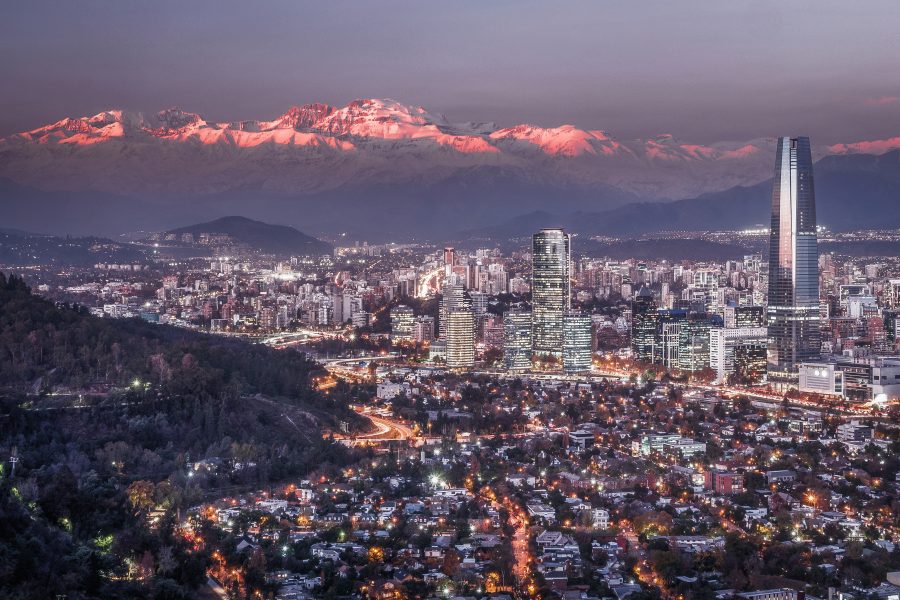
(109, 419)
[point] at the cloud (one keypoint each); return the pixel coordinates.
(881, 101)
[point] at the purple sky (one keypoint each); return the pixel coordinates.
(704, 71)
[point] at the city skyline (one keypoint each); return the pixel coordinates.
(466, 301)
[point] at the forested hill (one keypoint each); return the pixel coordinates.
(99, 410)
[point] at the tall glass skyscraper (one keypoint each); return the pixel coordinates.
(550, 292)
(644, 318)
(793, 310)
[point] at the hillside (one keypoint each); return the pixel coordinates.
(266, 238)
(662, 249)
(20, 248)
(133, 407)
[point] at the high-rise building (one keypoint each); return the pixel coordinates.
(453, 298)
(793, 310)
(402, 318)
(643, 325)
(576, 351)
(479, 301)
(423, 329)
(693, 344)
(449, 262)
(723, 345)
(550, 292)
(490, 330)
(517, 340)
(892, 325)
(745, 316)
(668, 336)
(892, 293)
(750, 361)
(461, 339)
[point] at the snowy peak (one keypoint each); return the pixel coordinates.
(173, 121)
(866, 147)
(302, 117)
(565, 140)
(375, 121)
(386, 119)
(316, 147)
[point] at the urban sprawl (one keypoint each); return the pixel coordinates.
(538, 422)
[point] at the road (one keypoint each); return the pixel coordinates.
(386, 430)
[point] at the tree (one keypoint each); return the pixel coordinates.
(140, 496)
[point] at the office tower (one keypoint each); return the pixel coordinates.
(793, 312)
(549, 290)
(461, 339)
(745, 316)
(892, 325)
(668, 336)
(402, 318)
(750, 361)
(517, 340)
(325, 315)
(337, 309)
(643, 325)
(361, 319)
(423, 329)
(479, 302)
(892, 293)
(724, 344)
(576, 342)
(693, 343)
(490, 330)
(499, 279)
(453, 297)
(449, 262)
(351, 306)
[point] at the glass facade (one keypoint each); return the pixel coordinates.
(668, 336)
(577, 355)
(693, 344)
(643, 326)
(793, 310)
(517, 340)
(550, 291)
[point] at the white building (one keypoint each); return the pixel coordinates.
(402, 320)
(460, 339)
(821, 378)
(722, 343)
(423, 329)
(600, 518)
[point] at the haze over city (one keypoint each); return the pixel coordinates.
(476, 301)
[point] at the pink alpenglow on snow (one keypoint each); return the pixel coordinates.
(315, 147)
(866, 147)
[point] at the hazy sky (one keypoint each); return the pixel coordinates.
(704, 71)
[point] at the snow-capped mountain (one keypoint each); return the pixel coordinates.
(317, 148)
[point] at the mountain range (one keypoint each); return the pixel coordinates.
(374, 166)
(852, 192)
